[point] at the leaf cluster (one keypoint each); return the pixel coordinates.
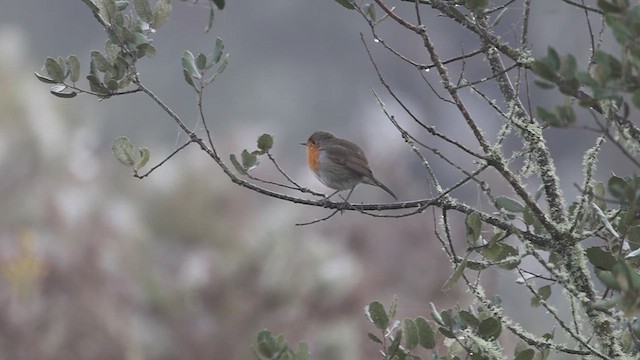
(611, 77)
(129, 155)
(449, 329)
(127, 41)
(276, 348)
(250, 159)
(195, 68)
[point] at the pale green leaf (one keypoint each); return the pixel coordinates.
(54, 70)
(143, 8)
(161, 13)
(124, 151)
(74, 68)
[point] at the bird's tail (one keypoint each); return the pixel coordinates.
(375, 182)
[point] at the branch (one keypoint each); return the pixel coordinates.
(551, 310)
(521, 56)
(135, 172)
(535, 142)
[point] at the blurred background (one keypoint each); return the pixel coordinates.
(96, 264)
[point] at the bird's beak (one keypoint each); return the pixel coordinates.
(304, 143)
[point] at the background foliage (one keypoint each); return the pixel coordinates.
(534, 236)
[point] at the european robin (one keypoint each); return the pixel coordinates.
(339, 163)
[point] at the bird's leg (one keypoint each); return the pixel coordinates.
(326, 198)
(345, 204)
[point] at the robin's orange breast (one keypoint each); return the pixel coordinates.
(313, 157)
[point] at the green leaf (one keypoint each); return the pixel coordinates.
(473, 226)
(201, 62)
(448, 316)
(236, 164)
(635, 98)
(469, 319)
(145, 155)
(566, 114)
(74, 68)
(265, 349)
(476, 5)
(543, 294)
(455, 276)
(598, 195)
(499, 251)
(249, 160)
(143, 8)
(548, 117)
(223, 66)
(410, 334)
(96, 86)
(189, 80)
(620, 189)
(607, 67)
(477, 266)
(632, 279)
(435, 315)
(393, 308)
(124, 150)
(569, 86)
(620, 30)
(370, 10)
(217, 50)
(101, 62)
(161, 13)
(394, 348)
(600, 258)
(543, 70)
(377, 315)
(426, 335)
(490, 328)
(526, 354)
(509, 204)
(146, 49)
(608, 279)
(568, 67)
(58, 90)
(121, 5)
(543, 85)
(553, 59)
(112, 85)
(54, 70)
(211, 17)
(374, 338)
(120, 68)
(608, 7)
(303, 351)
(265, 142)
(346, 3)
(531, 220)
(219, 4)
(189, 65)
(446, 332)
(45, 79)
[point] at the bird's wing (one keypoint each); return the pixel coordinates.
(350, 155)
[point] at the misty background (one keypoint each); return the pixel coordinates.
(184, 264)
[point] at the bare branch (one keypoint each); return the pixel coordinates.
(135, 172)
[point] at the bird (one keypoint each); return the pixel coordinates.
(339, 164)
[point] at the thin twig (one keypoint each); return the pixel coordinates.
(297, 186)
(584, 7)
(562, 324)
(135, 172)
